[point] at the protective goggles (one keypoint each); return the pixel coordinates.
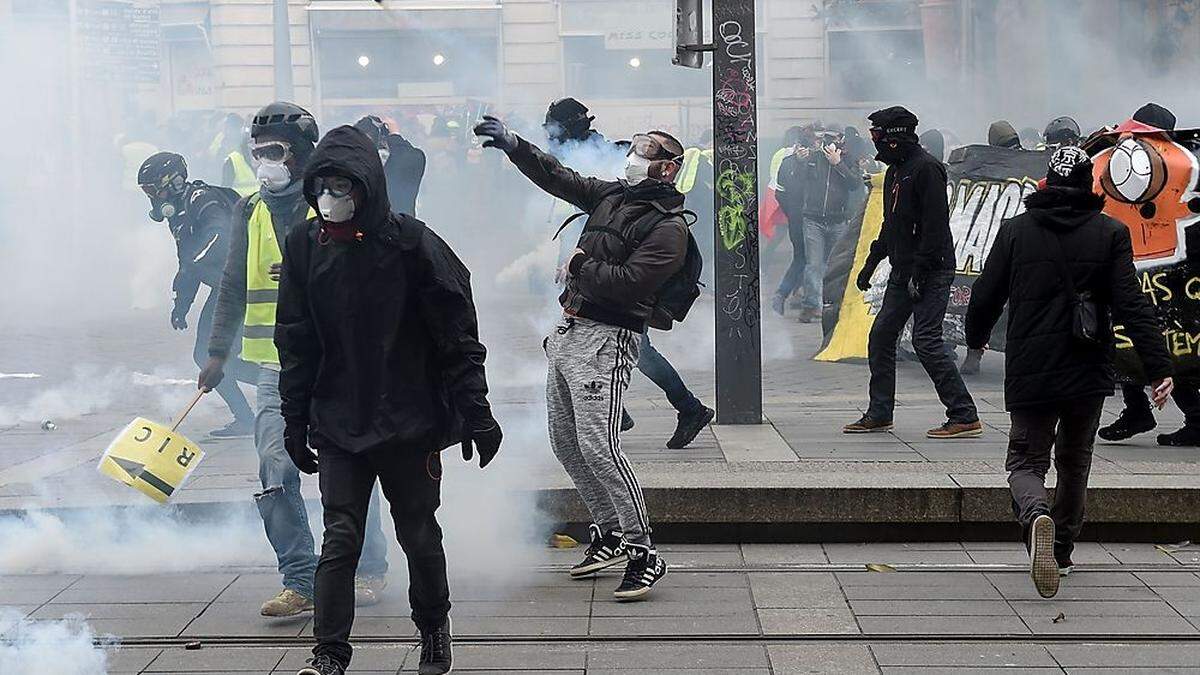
(877, 134)
(276, 152)
(880, 133)
(163, 189)
(647, 147)
(338, 186)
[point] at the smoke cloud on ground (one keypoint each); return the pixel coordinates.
(65, 647)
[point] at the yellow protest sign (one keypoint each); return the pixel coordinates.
(151, 458)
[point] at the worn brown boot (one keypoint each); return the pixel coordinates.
(867, 425)
(956, 430)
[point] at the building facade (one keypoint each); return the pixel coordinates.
(957, 61)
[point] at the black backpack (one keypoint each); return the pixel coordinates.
(679, 292)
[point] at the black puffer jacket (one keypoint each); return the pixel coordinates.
(1044, 362)
(617, 282)
(816, 189)
(377, 338)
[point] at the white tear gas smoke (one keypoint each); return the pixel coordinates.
(66, 647)
(144, 540)
(92, 389)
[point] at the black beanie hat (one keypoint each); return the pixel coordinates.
(1069, 167)
(1155, 115)
(895, 121)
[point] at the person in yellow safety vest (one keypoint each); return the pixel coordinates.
(238, 174)
(698, 167)
(284, 135)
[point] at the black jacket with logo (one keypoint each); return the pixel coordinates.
(201, 231)
(378, 340)
(1044, 363)
(619, 278)
(915, 236)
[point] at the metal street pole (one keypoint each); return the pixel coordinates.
(284, 91)
(735, 167)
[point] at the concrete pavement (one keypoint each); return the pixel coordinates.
(948, 607)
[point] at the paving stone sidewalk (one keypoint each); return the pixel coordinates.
(753, 598)
(147, 373)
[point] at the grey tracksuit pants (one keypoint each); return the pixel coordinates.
(589, 369)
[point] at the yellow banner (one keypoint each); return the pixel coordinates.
(850, 333)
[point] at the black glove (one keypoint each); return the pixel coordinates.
(179, 318)
(864, 277)
(212, 374)
(500, 136)
(295, 441)
(485, 436)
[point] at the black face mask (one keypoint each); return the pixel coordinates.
(889, 154)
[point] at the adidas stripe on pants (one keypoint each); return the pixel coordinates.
(590, 364)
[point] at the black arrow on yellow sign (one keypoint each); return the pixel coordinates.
(138, 470)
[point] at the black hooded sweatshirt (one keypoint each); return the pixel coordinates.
(1044, 363)
(378, 340)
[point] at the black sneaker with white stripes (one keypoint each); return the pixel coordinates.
(644, 570)
(605, 551)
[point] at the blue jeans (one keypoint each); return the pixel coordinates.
(660, 371)
(819, 239)
(795, 271)
(281, 505)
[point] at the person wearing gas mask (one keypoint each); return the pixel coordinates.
(576, 144)
(403, 163)
(915, 238)
(198, 216)
(634, 240)
(382, 370)
(283, 136)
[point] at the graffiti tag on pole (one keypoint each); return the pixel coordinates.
(735, 140)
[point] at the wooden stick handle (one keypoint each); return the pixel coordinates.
(195, 400)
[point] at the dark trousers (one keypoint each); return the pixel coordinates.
(411, 482)
(1187, 397)
(660, 371)
(1070, 428)
(236, 370)
(795, 271)
(927, 315)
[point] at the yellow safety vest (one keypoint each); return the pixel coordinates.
(262, 292)
(244, 179)
(691, 166)
(776, 162)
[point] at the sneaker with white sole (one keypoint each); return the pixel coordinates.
(1043, 567)
(644, 570)
(605, 551)
(322, 665)
(286, 603)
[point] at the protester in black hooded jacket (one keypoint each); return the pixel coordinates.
(382, 368)
(915, 237)
(403, 163)
(1055, 383)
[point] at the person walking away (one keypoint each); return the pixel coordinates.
(1056, 265)
(403, 164)
(198, 216)
(915, 238)
(634, 241)
(284, 135)
(382, 369)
